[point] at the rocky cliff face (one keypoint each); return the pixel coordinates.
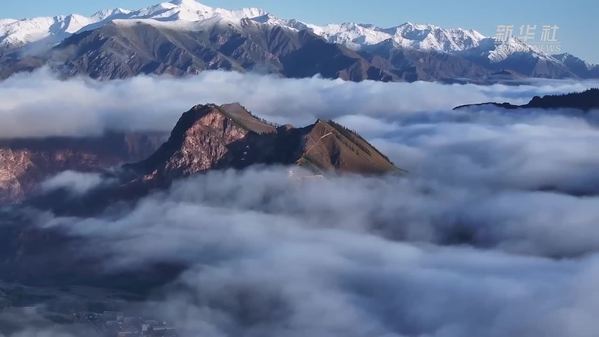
(201, 140)
(228, 136)
(25, 163)
(14, 166)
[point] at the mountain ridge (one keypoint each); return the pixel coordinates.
(584, 101)
(406, 52)
(229, 136)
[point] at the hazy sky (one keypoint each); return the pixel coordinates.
(576, 18)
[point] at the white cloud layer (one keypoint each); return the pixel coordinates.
(492, 233)
(268, 256)
(38, 104)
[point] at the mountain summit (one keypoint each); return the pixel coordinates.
(228, 136)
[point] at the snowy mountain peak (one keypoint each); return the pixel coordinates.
(567, 57)
(431, 37)
(110, 13)
(250, 13)
(186, 3)
(38, 31)
(72, 23)
(407, 35)
(352, 35)
(44, 32)
(7, 21)
(191, 10)
(191, 4)
(417, 26)
(175, 10)
(504, 49)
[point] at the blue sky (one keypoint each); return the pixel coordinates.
(577, 19)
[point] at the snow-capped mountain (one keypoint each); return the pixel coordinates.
(48, 31)
(419, 50)
(185, 10)
(498, 52)
(45, 32)
(578, 66)
(407, 35)
(40, 32)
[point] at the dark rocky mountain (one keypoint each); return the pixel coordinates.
(585, 101)
(413, 64)
(228, 136)
(25, 163)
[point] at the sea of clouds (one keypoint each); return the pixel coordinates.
(270, 256)
(494, 230)
(40, 105)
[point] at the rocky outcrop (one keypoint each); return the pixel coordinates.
(216, 137)
(25, 163)
(13, 168)
(201, 140)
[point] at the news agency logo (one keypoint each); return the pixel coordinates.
(544, 39)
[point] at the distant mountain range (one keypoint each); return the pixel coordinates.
(185, 37)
